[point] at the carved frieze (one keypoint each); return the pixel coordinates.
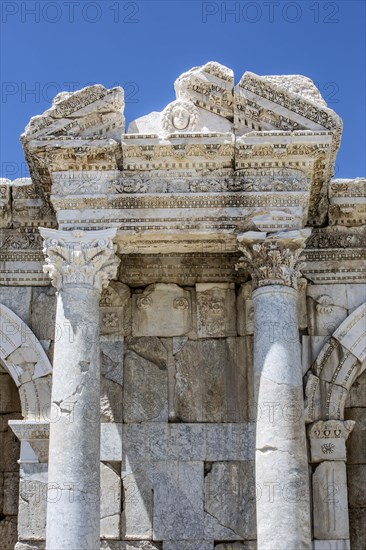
(347, 202)
(92, 111)
(328, 439)
(306, 107)
(5, 203)
(209, 87)
(185, 150)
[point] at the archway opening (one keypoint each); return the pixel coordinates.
(10, 409)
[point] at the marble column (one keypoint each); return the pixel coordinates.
(80, 264)
(282, 482)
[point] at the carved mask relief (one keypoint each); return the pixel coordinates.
(180, 116)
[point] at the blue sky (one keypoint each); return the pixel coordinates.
(52, 46)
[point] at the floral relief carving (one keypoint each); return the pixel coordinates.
(328, 448)
(144, 302)
(272, 261)
(181, 304)
(216, 306)
(110, 320)
(80, 258)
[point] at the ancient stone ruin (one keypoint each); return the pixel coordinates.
(183, 324)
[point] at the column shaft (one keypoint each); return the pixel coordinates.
(80, 264)
(283, 513)
(73, 508)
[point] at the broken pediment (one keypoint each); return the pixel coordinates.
(208, 101)
(288, 103)
(91, 112)
(259, 128)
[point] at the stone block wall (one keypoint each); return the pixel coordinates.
(177, 412)
(187, 441)
(356, 463)
(177, 467)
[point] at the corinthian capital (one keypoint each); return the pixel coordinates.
(80, 258)
(273, 259)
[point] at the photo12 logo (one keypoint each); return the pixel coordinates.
(40, 92)
(70, 11)
(270, 12)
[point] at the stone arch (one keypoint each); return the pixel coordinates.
(341, 360)
(24, 358)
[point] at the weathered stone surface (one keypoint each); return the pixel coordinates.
(331, 544)
(112, 358)
(230, 497)
(111, 442)
(9, 451)
(211, 380)
(11, 493)
(185, 442)
(111, 395)
(357, 520)
(188, 545)
(110, 401)
(330, 501)
(161, 310)
(33, 501)
(247, 545)
(18, 299)
(216, 310)
(4, 419)
(356, 480)
(356, 295)
(137, 514)
(245, 311)
(130, 545)
(311, 346)
(357, 393)
(356, 443)
(145, 389)
(9, 397)
(110, 502)
(8, 533)
(30, 545)
(150, 348)
(43, 314)
(178, 501)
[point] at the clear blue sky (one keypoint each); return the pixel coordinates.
(50, 46)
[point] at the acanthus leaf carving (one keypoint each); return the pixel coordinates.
(273, 259)
(80, 258)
